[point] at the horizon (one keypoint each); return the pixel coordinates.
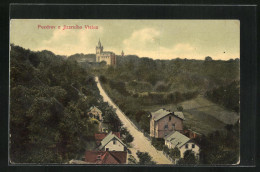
(177, 58)
(155, 39)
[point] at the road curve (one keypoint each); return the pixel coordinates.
(140, 142)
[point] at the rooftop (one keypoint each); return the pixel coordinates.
(95, 108)
(108, 138)
(162, 113)
(101, 136)
(177, 139)
(106, 157)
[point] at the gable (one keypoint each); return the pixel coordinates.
(161, 113)
(109, 138)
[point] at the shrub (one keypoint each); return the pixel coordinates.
(144, 158)
(166, 149)
(174, 153)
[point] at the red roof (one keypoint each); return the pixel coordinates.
(106, 157)
(100, 136)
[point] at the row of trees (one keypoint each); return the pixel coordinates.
(227, 96)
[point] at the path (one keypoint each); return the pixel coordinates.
(140, 142)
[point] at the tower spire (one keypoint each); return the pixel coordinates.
(99, 43)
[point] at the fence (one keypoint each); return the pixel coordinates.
(167, 156)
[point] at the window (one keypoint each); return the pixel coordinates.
(193, 145)
(114, 142)
(170, 118)
(166, 127)
(107, 149)
(186, 146)
(173, 126)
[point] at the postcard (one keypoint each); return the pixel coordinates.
(133, 92)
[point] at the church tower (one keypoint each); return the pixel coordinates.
(122, 53)
(99, 50)
(107, 56)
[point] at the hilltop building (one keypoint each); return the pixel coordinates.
(163, 122)
(107, 56)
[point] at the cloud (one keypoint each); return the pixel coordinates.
(146, 42)
(144, 39)
(68, 42)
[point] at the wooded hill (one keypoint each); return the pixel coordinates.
(82, 58)
(136, 84)
(49, 100)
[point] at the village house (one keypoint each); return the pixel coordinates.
(112, 143)
(164, 122)
(183, 143)
(103, 127)
(106, 157)
(100, 136)
(94, 112)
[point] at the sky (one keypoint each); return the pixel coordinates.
(157, 39)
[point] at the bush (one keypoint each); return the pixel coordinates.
(158, 143)
(189, 158)
(103, 79)
(129, 138)
(166, 150)
(144, 158)
(180, 108)
(174, 153)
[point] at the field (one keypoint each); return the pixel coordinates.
(201, 115)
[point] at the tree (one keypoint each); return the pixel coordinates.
(129, 138)
(189, 158)
(166, 149)
(174, 153)
(208, 58)
(180, 108)
(144, 158)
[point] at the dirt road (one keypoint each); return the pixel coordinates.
(140, 142)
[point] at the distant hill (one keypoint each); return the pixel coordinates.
(80, 58)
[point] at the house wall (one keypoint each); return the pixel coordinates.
(196, 149)
(161, 131)
(105, 58)
(115, 147)
(110, 59)
(152, 131)
(96, 114)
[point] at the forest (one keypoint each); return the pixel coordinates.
(49, 100)
(50, 96)
(137, 83)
